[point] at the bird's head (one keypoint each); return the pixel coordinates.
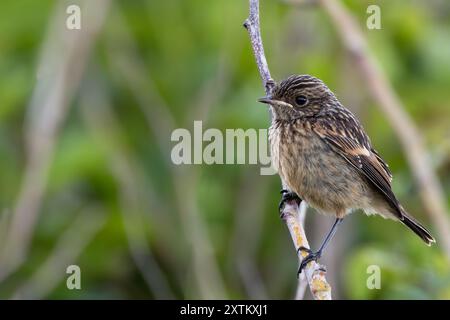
(298, 96)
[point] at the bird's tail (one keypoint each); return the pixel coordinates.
(418, 229)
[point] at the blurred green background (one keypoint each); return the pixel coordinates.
(94, 178)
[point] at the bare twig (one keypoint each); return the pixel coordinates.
(252, 26)
(301, 287)
(302, 280)
(63, 60)
(411, 140)
(314, 273)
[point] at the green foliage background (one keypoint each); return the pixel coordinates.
(194, 56)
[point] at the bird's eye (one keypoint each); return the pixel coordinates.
(301, 100)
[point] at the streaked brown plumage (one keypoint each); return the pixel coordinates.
(323, 155)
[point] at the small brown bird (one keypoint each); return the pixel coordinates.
(323, 155)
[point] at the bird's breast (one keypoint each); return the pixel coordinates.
(290, 145)
(312, 169)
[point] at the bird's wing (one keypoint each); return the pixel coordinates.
(346, 137)
(383, 164)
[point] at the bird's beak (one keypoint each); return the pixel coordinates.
(267, 100)
(274, 103)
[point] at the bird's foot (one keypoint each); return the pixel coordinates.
(312, 256)
(285, 197)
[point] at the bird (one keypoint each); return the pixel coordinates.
(324, 157)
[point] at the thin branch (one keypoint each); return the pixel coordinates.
(410, 138)
(302, 280)
(252, 26)
(314, 273)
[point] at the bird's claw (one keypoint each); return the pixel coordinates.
(287, 195)
(312, 256)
